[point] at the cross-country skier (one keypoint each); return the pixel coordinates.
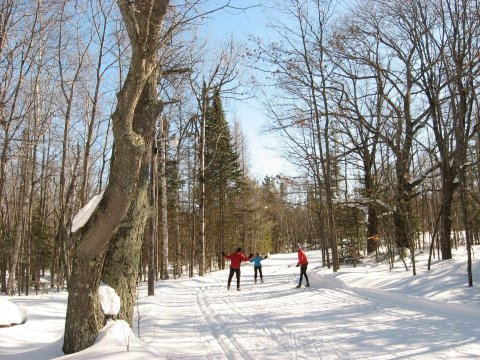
(236, 259)
(257, 265)
(303, 263)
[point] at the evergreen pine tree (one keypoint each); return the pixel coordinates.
(223, 172)
(223, 179)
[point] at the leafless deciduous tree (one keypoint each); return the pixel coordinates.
(133, 122)
(302, 111)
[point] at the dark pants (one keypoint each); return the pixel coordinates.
(237, 273)
(303, 272)
(259, 269)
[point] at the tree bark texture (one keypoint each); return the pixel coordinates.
(123, 256)
(84, 318)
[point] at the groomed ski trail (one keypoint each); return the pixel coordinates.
(274, 320)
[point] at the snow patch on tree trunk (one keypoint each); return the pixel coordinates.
(81, 218)
(109, 300)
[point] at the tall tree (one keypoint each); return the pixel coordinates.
(143, 21)
(379, 23)
(302, 110)
(101, 12)
(223, 75)
(70, 71)
(223, 174)
(361, 109)
(463, 70)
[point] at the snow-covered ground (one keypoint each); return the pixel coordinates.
(367, 312)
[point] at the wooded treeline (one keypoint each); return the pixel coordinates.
(377, 106)
(379, 103)
(63, 63)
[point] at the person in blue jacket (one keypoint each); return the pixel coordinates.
(257, 265)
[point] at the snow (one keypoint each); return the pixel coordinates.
(81, 218)
(109, 300)
(11, 313)
(367, 312)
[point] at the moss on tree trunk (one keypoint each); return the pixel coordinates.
(84, 318)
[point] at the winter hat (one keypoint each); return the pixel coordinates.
(239, 249)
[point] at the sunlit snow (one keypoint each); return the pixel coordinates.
(367, 312)
(81, 218)
(109, 300)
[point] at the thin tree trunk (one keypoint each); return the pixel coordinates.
(152, 232)
(101, 30)
(201, 202)
(163, 201)
(19, 234)
(191, 185)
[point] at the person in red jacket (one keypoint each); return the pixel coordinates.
(236, 259)
(303, 263)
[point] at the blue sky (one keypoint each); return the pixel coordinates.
(239, 25)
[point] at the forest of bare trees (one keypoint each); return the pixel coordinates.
(376, 106)
(379, 105)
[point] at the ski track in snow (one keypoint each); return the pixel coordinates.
(225, 338)
(223, 309)
(367, 318)
(278, 335)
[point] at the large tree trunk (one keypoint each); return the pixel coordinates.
(84, 317)
(401, 218)
(372, 229)
(123, 255)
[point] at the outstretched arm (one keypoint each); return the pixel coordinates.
(245, 258)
